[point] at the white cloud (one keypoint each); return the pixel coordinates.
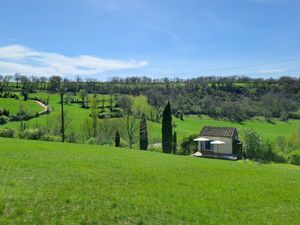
(21, 59)
(266, 71)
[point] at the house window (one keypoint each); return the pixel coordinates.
(208, 146)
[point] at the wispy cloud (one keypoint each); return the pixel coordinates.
(21, 59)
(268, 71)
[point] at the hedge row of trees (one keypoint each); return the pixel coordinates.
(235, 98)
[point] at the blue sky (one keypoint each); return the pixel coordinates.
(103, 38)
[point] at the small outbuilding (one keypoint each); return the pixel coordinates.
(218, 141)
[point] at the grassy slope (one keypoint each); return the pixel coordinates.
(193, 124)
(190, 125)
(13, 105)
(266, 129)
(54, 183)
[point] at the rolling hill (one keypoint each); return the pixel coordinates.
(190, 125)
(55, 183)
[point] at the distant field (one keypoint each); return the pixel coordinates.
(54, 183)
(194, 124)
(266, 129)
(190, 125)
(13, 105)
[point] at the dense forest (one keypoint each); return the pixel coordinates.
(236, 98)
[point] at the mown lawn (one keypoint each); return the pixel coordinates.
(13, 105)
(54, 183)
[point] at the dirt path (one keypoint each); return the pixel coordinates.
(42, 105)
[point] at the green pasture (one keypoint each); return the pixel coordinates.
(190, 125)
(13, 105)
(55, 183)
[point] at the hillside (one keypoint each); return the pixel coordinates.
(54, 183)
(13, 105)
(191, 124)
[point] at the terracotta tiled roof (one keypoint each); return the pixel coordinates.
(218, 131)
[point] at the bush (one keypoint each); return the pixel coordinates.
(104, 116)
(116, 114)
(156, 147)
(32, 134)
(22, 114)
(294, 157)
(3, 120)
(7, 132)
(92, 141)
(4, 112)
(188, 145)
(294, 139)
(50, 138)
(279, 157)
(255, 147)
(72, 137)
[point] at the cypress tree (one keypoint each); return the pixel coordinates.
(117, 139)
(174, 143)
(143, 133)
(167, 129)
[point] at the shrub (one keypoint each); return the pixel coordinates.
(188, 145)
(104, 115)
(116, 114)
(32, 134)
(266, 150)
(50, 138)
(72, 137)
(255, 147)
(281, 142)
(4, 112)
(279, 157)
(156, 147)
(3, 120)
(294, 139)
(294, 157)
(92, 141)
(7, 132)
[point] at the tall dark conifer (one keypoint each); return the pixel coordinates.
(143, 133)
(117, 139)
(167, 129)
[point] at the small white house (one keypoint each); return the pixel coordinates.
(219, 140)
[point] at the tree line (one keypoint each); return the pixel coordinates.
(235, 98)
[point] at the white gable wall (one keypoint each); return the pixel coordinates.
(223, 148)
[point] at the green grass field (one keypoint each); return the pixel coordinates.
(266, 129)
(54, 183)
(13, 105)
(190, 125)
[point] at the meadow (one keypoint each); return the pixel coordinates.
(55, 183)
(13, 105)
(190, 124)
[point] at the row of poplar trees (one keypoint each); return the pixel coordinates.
(169, 139)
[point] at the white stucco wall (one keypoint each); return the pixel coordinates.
(223, 148)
